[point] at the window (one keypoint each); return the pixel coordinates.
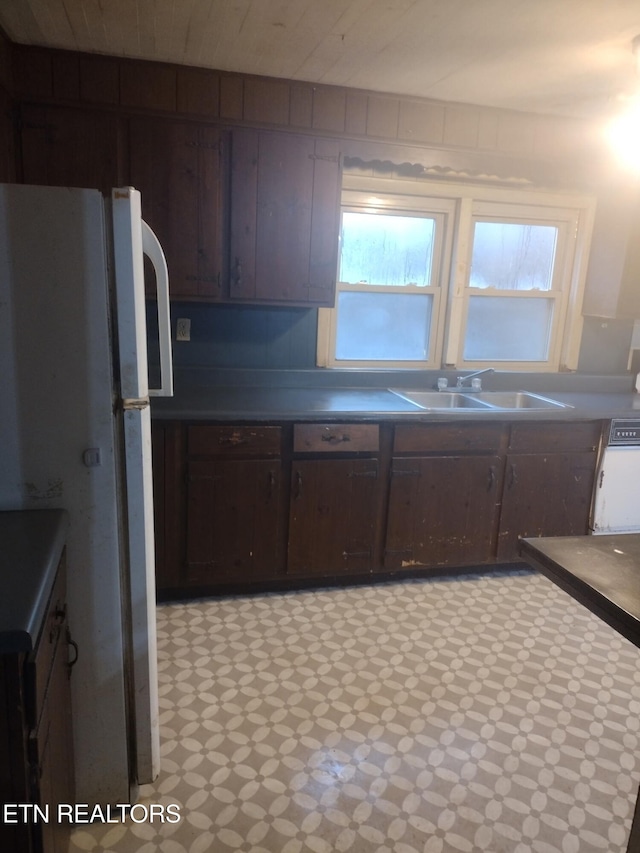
(457, 276)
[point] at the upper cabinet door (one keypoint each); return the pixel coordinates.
(69, 148)
(284, 201)
(178, 167)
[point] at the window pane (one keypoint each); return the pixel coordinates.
(383, 326)
(389, 250)
(513, 256)
(501, 328)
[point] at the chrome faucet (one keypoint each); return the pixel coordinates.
(462, 379)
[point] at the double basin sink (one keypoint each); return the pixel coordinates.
(479, 401)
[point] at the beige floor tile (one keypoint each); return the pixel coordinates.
(489, 713)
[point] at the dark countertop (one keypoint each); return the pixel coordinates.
(260, 403)
(602, 572)
(31, 546)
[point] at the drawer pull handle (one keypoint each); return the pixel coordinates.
(492, 478)
(234, 440)
(336, 439)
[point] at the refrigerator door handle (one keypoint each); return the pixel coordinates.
(153, 250)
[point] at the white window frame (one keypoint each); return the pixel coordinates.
(460, 206)
(443, 212)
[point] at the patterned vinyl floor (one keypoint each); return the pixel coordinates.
(489, 713)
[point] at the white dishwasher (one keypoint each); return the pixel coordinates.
(616, 503)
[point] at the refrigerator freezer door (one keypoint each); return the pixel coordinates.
(142, 592)
(132, 239)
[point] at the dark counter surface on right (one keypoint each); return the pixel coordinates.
(602, 572)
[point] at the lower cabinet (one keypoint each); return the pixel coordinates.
(332, 516)
(36, 740)
(253, 504)
(233, 520)
(443, 511)
(234, 509)
(335, 492)
(444, 495)
(549, 480)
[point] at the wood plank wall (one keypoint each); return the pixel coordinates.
(501, 138)
(7, 142)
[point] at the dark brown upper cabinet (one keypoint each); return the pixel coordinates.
(178, 167)
(284, 218)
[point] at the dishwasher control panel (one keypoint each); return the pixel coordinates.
(624, 431)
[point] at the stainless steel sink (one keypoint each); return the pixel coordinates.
(482, 401)
(520, 400)
(442, 400)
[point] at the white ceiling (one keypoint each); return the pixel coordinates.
(563, 57)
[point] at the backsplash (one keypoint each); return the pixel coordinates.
(281, 341)
(244, 336)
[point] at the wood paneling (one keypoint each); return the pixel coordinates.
(335, 110)
(266, 101)
(149, 88)
(356, 118)
(198, 92)
(99, 80)
(33, 73)
(301, 106)
(66, 76)
(231, 97)
(419, 122)
(329, 107)
(461, 127)
(69, 148)
(382, 117)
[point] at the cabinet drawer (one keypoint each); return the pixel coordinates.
(549, 437)
(40, 660)
(234, 441)
(332, 438)
(444, 438)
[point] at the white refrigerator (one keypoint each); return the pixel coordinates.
(75, 433)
